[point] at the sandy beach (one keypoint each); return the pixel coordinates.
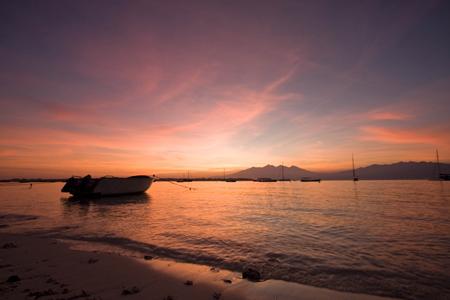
(38, 267)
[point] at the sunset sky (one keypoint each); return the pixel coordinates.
(125, 87)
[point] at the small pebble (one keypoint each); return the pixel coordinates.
(5, 266)
(131, 291)
(50, 280)
(92, 261)
(9, 245)
(40, 294)
(13, 278)
(251, 274)
(227, 281)
(188, 282)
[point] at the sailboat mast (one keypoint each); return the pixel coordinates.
(438, 164)
(353, 166)
(282, 170)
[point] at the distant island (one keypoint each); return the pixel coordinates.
(400, 170)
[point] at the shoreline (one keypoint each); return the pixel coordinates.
(49, 268)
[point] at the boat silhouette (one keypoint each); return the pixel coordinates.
(309, 179)
(441, 176)
(265, 179)
(107, 186)
(353, 167)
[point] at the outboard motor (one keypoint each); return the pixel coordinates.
(71, 185)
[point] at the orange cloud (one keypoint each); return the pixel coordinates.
(404, 136)
(71, 137)
(389, 115)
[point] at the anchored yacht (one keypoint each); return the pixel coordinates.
(309, 179)
(107, 186)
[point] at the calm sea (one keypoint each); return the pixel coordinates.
(378, 237)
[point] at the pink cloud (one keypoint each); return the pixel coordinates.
(70, 132)
(389, 116)
(404, 136)
(240, 105)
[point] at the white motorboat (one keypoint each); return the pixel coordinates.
(107, 186)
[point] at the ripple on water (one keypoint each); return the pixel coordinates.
(380, 237)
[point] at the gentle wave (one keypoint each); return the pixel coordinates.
(379, 237)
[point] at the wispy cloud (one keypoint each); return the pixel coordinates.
(389, 116)
(194, 89)
(429, 136)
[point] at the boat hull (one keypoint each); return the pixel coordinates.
(107, 186)
(444, 177)
(265, 180)
(310, 180)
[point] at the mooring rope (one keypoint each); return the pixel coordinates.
(174, 183)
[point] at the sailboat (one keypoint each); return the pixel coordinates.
(228, 179)
(282, 174)
(353, 166)
(441, 176)
(187, 179)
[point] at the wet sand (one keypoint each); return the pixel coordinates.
(45, 268)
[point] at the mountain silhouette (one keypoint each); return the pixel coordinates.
(399, 170)
(274, 172)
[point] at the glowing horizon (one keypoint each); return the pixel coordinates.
(163, 88)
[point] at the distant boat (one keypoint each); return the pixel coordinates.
(354, 173)
(282, 174)
(444, 177)
(228, 179)
(184, 180)
(265, 179)
(187, 179)
(441, 176)
(107, 186)
(309, 179)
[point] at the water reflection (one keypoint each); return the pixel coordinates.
(111, 200)
(355, 190)
(111, 207)
(339, 234)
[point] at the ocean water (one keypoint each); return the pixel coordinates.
(387, 238)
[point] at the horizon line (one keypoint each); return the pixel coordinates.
(219, 173)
